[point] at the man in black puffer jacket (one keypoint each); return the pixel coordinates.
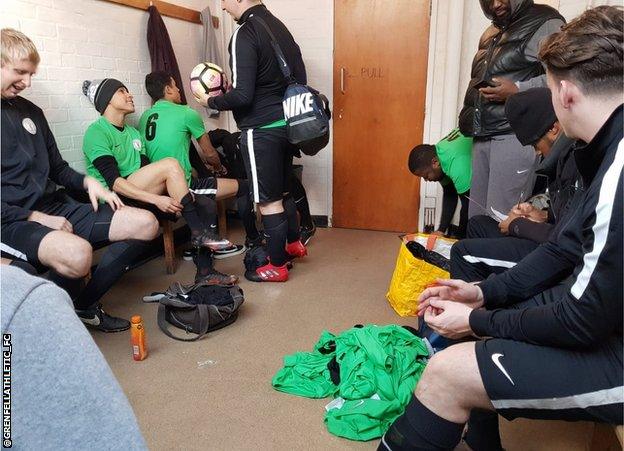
(505, 63)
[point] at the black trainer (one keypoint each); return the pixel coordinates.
(210, 240)
(234, 249)
(307, 234)
(215, 277)
(255, 242)
(98, 319)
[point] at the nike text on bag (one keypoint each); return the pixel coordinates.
(306, 110)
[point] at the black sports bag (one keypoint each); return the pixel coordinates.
(198, 308)
(306, 110)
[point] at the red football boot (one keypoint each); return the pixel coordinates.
(296, 249)
(268, 273)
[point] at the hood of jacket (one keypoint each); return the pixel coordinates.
(516, 9)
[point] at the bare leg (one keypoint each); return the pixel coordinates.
(133, 223)
(271, 208)
(164, 176)
(451, 385)
(226, 188)
(66, 253)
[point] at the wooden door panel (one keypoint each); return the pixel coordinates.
(380, 70)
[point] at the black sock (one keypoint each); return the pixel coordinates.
(73, 287)
(483, 433)
(291, 214)
(421, 429)
(190, 214)
(204, 263)
(24, 265)
(244, 205)
(276, 229)
(301, 201)
(114, 263)
(207, 210)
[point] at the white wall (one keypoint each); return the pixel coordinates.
(311, 22)
(89, 39)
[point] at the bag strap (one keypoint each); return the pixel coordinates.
(325, 101)
(279, 54)
(203, 323)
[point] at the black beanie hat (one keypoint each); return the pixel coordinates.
(530, 114)
(100, 92)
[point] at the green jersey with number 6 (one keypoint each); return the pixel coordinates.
(167, 129)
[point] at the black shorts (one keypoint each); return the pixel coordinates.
(206, 186)
(21, 239)
(530, 381)
(268, 156)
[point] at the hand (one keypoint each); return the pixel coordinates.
(53, 222)
(451, 289)
(523, 209)
(449, 319)
(167, 204)
(504, 225)
(527, 210)
(499, 93)
(97, 191)
(438, 233)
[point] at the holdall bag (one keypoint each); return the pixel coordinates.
(198, 308)
(422, 259)
(306, 110)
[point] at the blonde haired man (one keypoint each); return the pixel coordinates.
(41, 226)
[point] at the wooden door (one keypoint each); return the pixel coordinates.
(380, 76)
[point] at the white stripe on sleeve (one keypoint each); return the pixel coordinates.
(604, 210)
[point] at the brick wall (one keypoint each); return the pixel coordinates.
(89, 39)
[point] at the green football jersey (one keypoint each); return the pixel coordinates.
(103, 139)
(455, 155)
(167, 129)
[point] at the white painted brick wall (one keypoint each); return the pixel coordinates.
(311, 23)
(88, 39)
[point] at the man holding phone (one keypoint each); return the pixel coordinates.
(505, 63)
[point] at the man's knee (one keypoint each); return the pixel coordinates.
(133, 223)
(68, 255)
(144, 225)
(171, 166)
(444, 370)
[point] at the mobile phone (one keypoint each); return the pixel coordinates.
(485, 84)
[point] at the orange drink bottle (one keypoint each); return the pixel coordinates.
(137, 333)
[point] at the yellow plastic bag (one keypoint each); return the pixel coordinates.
(411, 276)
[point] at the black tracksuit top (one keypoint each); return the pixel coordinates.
(30, 160)
(257, 81)
(588, 247)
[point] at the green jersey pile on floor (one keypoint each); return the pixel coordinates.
(371, 371)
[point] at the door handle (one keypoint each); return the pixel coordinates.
(342, 80)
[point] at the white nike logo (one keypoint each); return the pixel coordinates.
(95, 321)
(496, 359)
(521, 172)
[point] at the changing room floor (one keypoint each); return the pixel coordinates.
(216, 394)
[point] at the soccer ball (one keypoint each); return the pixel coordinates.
(207, 80)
